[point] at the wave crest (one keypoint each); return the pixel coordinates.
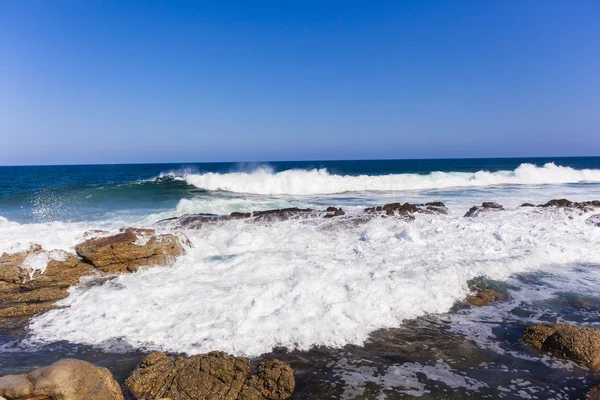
(320, 181)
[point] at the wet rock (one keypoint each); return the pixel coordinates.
(579, 344)
(32, 280)
(567, 204)
(129, 250)
(527, 205)
(483, 208)
(282, 214)
(189, 221)
(331, 212)
(594, 220)
(67, 379)
(482, 294)
(407, 210)
(209, 376)
(594, 393)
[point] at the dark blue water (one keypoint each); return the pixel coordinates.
(91, 192)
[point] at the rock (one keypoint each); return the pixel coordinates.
(209, 376)
(282, 214)
(482, 294)
(594, 393)
(483, 208)
(567, 204)
(129, 250)
(407, 210)
(67, 379)
(189, 221)
(331, 212)
(579, 344)
(526, 205)
(594, 220)
(32, 280)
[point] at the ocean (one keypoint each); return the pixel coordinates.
(360, 308)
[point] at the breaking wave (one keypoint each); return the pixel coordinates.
(320, 181)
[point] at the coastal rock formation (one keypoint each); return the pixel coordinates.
(67, 379)
(594, 220)
(209, 376)
(32, 281)
(593, 393)
(483, 296)
(483, 208)
(331, 212)
(579, 344)
(129, 250)
(567, 204)
(407, 210)
(189, 221)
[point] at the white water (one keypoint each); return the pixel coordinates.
(313, 182)
(245, 288)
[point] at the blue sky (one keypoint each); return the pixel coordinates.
(174, 81)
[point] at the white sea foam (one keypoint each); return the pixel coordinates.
(320, 181)
(245, 288)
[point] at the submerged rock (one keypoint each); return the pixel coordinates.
(483, 208)
(67, 379)
(209, 376)
(579, 344)
(594, 220)
(32, 281)
(282, 214)
(482, 294)
(129, 250)
(189, 221)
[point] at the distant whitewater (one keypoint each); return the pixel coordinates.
(320, 181)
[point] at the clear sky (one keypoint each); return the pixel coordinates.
(182, 81)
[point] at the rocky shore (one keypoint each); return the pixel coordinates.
(34, 280)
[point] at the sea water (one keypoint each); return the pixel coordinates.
(361, 308)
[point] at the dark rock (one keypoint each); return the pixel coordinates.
(483, 208)
(567, 204)
(67, 379)
(407, 209)
(579, 344)
(282, 214)
(331, 212)
(130, 250)
(189, 221)
(527, 205)
(209, 376)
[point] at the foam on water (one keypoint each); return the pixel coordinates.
(246, 288)
(320, 181)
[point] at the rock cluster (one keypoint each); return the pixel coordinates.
(209, 376)
(579, 344)
(67, 379)
(212, 376)
(32, 281)
(407, 209)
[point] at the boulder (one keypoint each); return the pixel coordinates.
(485, 207)
(594, 220)
(129, 250)
(32, 281)
(214, 376)
(579, 344)
(67, 379)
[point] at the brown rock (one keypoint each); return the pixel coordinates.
(594, 393)
(209, 376)
(66, 379)
(484, 297)
(579, 344)
(129, 250)
(25, 292)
